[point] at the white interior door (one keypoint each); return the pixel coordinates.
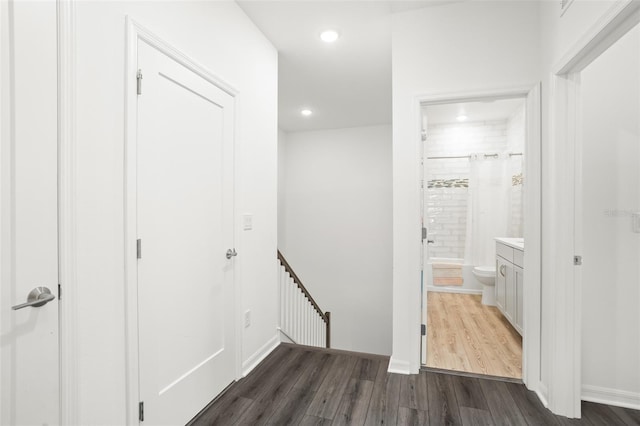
(185, 224)
(608, 224)
(28, 179)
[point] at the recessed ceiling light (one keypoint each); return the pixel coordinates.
(329, 36)
(306, 112)
(462, 117)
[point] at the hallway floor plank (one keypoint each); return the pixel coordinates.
(300, 385)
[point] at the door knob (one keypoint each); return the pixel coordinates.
(231, 253)
(37, 297)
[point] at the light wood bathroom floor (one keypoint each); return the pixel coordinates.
(465, 335)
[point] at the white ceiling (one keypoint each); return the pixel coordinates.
(475, 111)
(345, 84)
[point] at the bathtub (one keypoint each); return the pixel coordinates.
(469, 286)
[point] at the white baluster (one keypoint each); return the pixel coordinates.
(281, 297)
(296, 316)
(309, 324)
(289, 307)
(294, 294)
(300, 316)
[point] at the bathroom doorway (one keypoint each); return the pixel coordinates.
(475, 167)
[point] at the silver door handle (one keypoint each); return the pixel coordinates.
(231, 253)
(503, 269)
(37, 297)
(430, 241)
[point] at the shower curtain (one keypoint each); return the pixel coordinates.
(487, 207)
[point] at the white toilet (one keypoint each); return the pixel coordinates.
(487, 276)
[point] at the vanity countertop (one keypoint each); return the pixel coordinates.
(516, 243)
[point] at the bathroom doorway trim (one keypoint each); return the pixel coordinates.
(531, 350)
(565, 375)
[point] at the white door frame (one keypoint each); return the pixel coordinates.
(67, 254)
(68, 395)
(135, 33)
(531, 354)
(565, 376)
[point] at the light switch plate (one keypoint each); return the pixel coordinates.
(247, 222)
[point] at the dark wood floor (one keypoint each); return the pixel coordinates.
(298, 385)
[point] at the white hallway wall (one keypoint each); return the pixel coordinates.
(335, 198)
(475, 46)
(446, 49)
(222, 38)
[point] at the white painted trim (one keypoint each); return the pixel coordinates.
(616, 21)
(542, 393)
(566, 7)
(398, 366)
(532, 344)
(564, 334)
(609, 396)
(67, 225)
(435, 289)
(284, 337)
(260, 355)
(532, 347)
(134, 33)
(158, 43)
(565, 388)
(6, 173)
(448, 97)
(237, 233)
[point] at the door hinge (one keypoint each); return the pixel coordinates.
(139, 82)
(139, 248)
(141, 411)
(577, 260)
(423, 329)
(59, 291)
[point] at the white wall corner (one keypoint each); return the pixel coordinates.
(618, 398)
(260, 355)
(283, 337)
(399, 366)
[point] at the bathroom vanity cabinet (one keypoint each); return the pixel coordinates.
(510, 279)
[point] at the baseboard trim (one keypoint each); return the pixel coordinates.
(541, 391)
(615, 397)
(260, 355)
(453, 290)
(398, 366)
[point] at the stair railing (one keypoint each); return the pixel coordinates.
(301, 319)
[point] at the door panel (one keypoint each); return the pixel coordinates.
(608, 218)
(29, 252)
(185, 223)
(519, 294)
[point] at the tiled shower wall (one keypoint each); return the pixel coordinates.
(515, 141)
(446, 181)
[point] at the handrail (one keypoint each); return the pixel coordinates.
(325, 316)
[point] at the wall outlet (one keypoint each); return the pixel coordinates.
(247, 319)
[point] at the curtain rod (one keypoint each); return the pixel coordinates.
(511, 154)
